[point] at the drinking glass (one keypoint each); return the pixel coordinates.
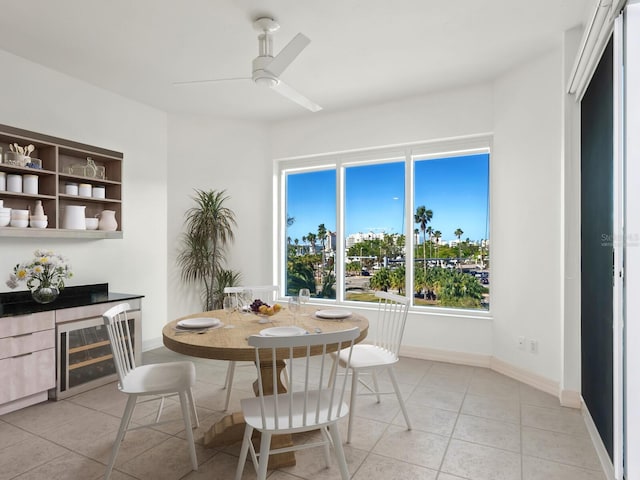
(229, 304)
(304, 295)
(294, 306)
(246, 298)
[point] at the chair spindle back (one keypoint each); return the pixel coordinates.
(392, 316)
(117, 323)
(309, 370)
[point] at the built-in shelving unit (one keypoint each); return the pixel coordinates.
(58, 156)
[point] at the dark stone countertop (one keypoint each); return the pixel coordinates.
(21, 303)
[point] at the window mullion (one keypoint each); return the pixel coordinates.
(339, 263)
(409, 223)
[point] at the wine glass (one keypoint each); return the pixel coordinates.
(304, 295)
(294, 306)
(229, 304)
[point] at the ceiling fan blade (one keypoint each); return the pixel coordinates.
(288, 92)
(212, 80)
(288, 54)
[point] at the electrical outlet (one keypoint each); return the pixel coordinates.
(533, 346)
(521, 341)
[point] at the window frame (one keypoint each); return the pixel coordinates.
(407, 153)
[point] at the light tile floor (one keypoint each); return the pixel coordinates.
(468, 423)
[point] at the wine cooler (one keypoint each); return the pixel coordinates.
(84, 354)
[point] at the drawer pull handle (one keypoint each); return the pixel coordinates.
(23, 355)
(23, 335)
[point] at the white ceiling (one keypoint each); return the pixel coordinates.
(361, 51)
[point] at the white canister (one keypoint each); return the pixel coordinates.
(84, 189)
(30, 184)
(14, 183)
(71, 188)
(97, 191)
(3, 181)
(74, 217)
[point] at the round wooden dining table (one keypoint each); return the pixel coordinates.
(223, 343)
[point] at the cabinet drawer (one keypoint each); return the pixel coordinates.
(28, 342)
(12, 326)
(27, 374)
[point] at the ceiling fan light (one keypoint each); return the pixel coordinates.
(265, 81)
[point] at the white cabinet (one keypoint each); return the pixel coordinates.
(27, 359)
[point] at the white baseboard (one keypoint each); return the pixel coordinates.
(478, 360)
(570, 398)
(473, 359)
(151, 343)
(532, 379)
(601, 450)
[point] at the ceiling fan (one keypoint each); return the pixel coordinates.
(267, 68)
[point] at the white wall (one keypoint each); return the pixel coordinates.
(211, 154)
(453, 113)
(526, 225)
(42, 100)
(445, 114)
(523, 110)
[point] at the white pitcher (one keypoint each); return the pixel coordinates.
(108, 221)
(74, 217)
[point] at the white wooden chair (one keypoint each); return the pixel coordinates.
(162, 379)
(266, 293)
(308, 405)
(379, 356)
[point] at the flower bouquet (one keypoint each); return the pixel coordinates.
(45, 275)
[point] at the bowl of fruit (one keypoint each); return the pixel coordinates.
(263, 309)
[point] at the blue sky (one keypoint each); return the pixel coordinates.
(454, 188)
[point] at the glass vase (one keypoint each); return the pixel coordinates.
(45, 293)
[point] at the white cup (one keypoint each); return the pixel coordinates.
(71, 189)
(14, 183)
(84, 189)
(19, 214)
(30, 184)
(98, 191)
(3, 181)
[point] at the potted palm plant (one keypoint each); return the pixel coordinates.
(209, 230)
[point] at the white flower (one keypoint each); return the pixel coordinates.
(13, 281)
(46, 268)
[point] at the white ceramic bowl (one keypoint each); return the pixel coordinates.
(38, 223)
(4, 220)
(19, 223)
(20, 214)
(92, 223)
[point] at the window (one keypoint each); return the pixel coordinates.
(413, 221)
(311, 232)
(374, 230)
(451, 217)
